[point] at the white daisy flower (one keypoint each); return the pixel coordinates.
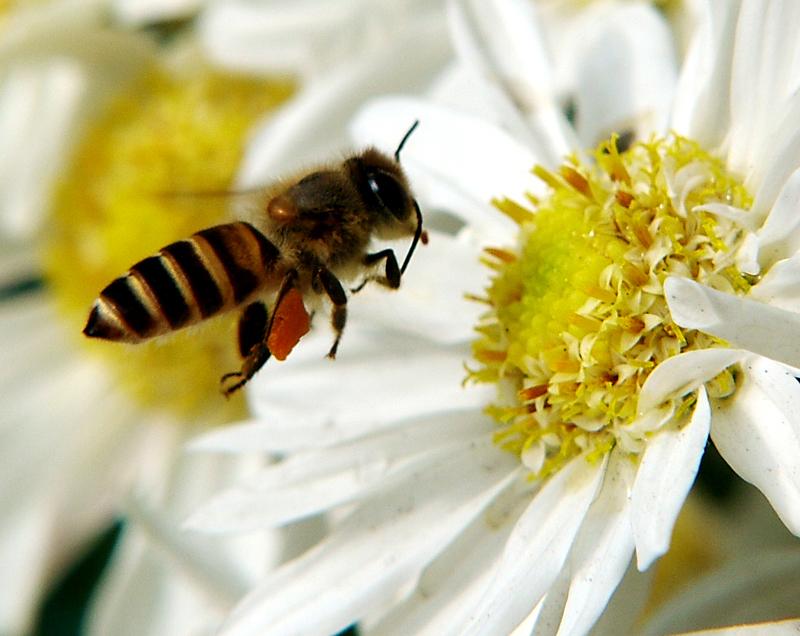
(641, 300)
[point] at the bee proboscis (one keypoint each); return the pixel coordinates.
(312, 232)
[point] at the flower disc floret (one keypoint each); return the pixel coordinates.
(578, 317)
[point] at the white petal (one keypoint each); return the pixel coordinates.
(757, 431)
(503, 43)
(745, 218)
(602, 550)
(762, 76)
(701, 109)
(780, 235)
(452, 150)
(195, 555)
(681, 374)
(454, 582)
(143, 595)
(632, 44)
(24, 552)
(347, 395)
(748, 324)
(376, 550)
(314, 481)
(666, 472)
(780, 286)
(550, 608)
(313, 123)
(779, 157)
(277, 37)
(538, 547)
(503, 40)
(38, 104)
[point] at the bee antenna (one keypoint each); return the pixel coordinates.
(403, 143)
(418, 231)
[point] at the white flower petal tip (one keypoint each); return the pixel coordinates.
(538, 547)
(757, 432)
(748, 324)
(779, 237)
(682, 374)
(666, 472)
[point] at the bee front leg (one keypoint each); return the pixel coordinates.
(390, 279)
(325, 281)
(252, 347)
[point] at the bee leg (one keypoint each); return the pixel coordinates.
(328, 283)
(390, 279)
(252, 346)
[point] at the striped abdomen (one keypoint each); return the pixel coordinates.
(210, 272)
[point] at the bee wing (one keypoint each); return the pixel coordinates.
(241, 204)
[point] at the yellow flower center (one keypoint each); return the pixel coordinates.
(578, 318)
(167, 134)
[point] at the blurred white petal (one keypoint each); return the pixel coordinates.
(634, 39)
(313, 124)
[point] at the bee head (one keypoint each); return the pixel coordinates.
(385, 189)
(386, 193)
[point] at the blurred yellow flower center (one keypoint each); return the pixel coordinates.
(578, 317)
(166, 134)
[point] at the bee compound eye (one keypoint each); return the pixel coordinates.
(390, 193)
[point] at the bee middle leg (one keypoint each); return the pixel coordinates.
(391, 277)
(252, 347)
(324, 280)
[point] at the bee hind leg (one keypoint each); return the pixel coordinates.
(325, 281)
(253, 329)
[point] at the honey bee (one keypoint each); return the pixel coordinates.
(311, 233)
